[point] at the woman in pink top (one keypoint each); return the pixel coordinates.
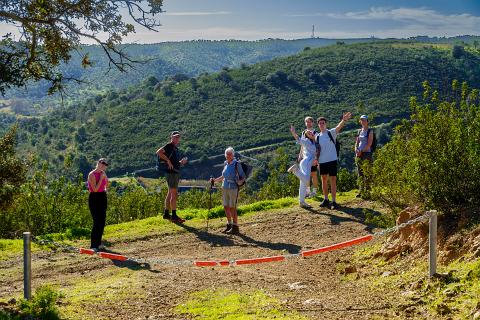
(97, 202)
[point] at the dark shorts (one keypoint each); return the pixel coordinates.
(329, 168)
(314, 169)
(172, 180)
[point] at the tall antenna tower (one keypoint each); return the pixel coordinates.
(313, 31)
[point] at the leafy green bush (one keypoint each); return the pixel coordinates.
(433, 158)
(280, 183)
(346, 180)
(42, 305)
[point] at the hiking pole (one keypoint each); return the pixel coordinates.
(212, 182)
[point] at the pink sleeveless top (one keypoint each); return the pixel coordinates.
(103, 185)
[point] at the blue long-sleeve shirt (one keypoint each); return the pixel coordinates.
(229, 174)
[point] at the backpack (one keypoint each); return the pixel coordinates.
(247, 169)
(161, 166)
(374, 141)
(335, 142)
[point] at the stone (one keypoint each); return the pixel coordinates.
(296, 286)
(349, 269)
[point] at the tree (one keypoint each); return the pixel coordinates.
(12, 169)
(51, 29)
(475, 44)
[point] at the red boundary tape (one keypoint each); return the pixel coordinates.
(336, 246)
(213, 263)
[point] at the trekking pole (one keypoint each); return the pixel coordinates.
(210, 202)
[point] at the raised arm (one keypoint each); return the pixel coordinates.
(294, 134)
(346, 116)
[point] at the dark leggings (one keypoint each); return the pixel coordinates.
(97, 203)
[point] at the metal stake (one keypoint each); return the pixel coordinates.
(27, 266)
(432, 244)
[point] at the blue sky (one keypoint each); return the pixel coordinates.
(261, 19)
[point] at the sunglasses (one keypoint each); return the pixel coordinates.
(104, 163)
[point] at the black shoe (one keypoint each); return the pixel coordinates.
(167, 216)
(233, 230)
(177, 219)
(228, 228)
(324, 203)
(334, 205)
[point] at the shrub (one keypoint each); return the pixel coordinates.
(42, 305)
(433, 158)
(346, 180)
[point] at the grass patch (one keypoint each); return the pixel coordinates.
(229, 305)
(141, 228)
(12, 247)
(456, 295)
(113, 285)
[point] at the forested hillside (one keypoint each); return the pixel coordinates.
(160, 60)
(245, 107)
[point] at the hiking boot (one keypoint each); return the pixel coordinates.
(167, 216)
(177, 219)
(305, 205)
(293, 168)
(228, 228)
(334, 205)
(234, 230)
(324, 203)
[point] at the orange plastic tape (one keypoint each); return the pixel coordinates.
(205, 263)
(259, 260)
(112, 256)
(222, 263)
(86, 251)
(337, 246)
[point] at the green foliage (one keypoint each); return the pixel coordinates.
(42, 305)
(12, 169)
(50, 31)
(346, 180)
(433, 159)
(224, 304)
(214, 114)
(279, 183)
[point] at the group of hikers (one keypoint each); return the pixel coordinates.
(318, 153)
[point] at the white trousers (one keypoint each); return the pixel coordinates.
(303, 174)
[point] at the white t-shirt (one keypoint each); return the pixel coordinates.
(327, 147)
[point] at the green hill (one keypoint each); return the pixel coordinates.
(246, 107)
(161, 60)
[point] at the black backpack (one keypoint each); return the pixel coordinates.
(335, 142)
(247, 169)
(373, 147)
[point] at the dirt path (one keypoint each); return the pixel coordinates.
(312, 286)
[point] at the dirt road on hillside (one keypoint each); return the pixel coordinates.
(314, 287)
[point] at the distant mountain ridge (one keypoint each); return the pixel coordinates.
(166, 59)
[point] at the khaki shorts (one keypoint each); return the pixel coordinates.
(229, 197)
(172, 180)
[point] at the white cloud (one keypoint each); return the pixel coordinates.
(197, 13)
(413, 21)
(217, 33)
